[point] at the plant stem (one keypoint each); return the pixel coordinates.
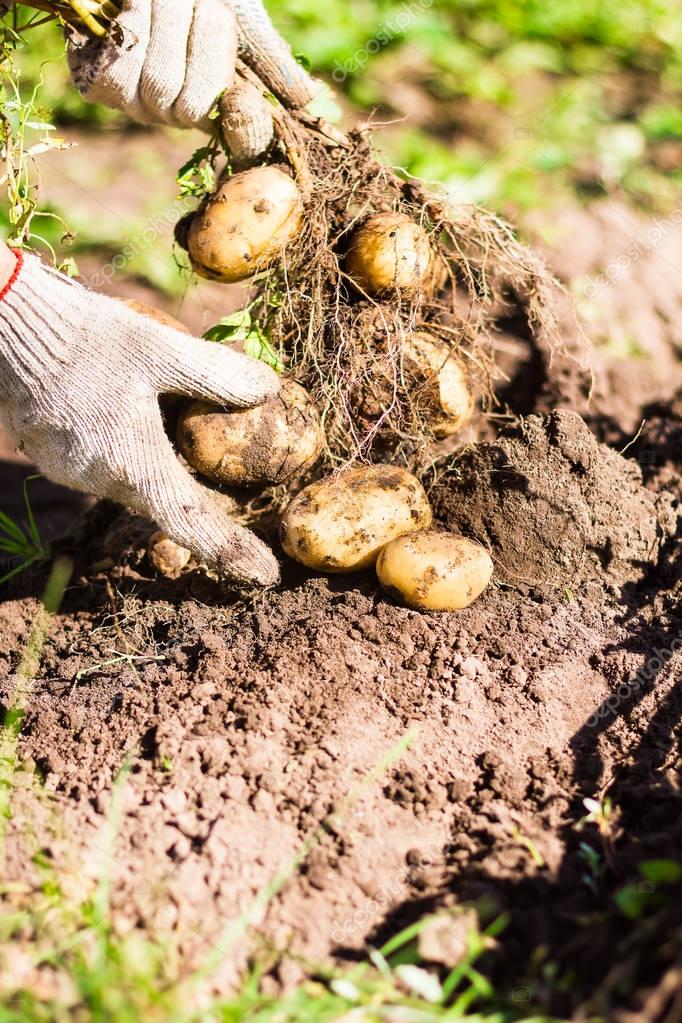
(94, 17)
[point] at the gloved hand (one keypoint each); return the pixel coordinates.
(178, 56)
(80, 378)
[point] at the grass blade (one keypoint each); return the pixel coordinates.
(32, 524)
(10, 527)
(15, 571)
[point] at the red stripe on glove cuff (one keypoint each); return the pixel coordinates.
(15, 273)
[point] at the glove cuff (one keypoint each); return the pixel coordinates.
(19, 256)
(41, 312)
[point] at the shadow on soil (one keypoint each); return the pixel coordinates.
(587, 953)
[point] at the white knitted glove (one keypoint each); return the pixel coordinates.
(178, 56)
(80, 378)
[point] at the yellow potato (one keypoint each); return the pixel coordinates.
(390, 252)
(167, 557)
(340, 523)
(268, 444)
(155, 314)
(433, 571)
(244, 226)
(442, 390)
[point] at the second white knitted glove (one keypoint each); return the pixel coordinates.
(80, 379)
(177, 56)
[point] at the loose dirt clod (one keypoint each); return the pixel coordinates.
(556, 507)
(167, 557)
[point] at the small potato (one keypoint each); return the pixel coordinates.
(434, 571)
(155, 314)
(268, 444)
(442, 389)
(244, 226)
(390, 252)
(167, 557)
(340, 523)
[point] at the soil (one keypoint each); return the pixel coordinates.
(247, 725)
(555, 507)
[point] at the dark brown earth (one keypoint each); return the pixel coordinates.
(555, 507)
(246, 726)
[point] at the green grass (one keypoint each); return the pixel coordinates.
(98, 975)
(529, 96)
(22, 543)
(124, 979)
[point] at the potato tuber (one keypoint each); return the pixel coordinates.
(440, 383)
(432, 571)
(340, 523)
(244, 226)
(389, 253)
(155, 314)
(270, 443)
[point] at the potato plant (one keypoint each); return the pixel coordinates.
(375, 295)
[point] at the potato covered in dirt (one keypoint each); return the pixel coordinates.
(340, 523)
(438, 382)
(167, 556)
(389, 253)
(268, 444)
(244, 226)
(433, 571)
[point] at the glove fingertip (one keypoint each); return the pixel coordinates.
(250, 383)
(248, 560)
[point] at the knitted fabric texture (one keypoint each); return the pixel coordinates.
(178, 56)
(80, 378)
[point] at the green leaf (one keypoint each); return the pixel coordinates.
(666, 871)
(257, 346)
(197, 177)
(239, 327)
(69, 266)
(304, 60)
(220, 334)
(242, 318)
(631, 901)
(11, 528)
(195, 159)
(235, 327)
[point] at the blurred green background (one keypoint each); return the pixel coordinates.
(515, 105)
